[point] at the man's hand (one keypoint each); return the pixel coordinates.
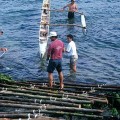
(3, 49)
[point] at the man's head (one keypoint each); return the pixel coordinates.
(53, 35)
(1, 32)
(72, 1)
(69, 37)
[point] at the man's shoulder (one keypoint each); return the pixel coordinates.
(75, 4)
(72, 42)
(58, 40)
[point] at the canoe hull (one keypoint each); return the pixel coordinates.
(44, 28)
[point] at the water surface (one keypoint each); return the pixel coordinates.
(99, 50)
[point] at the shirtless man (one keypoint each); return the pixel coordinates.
(2, 49)
(72, 8)
(1, 32)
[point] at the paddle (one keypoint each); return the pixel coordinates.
(2, 54)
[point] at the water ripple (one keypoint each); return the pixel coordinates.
(98, 51)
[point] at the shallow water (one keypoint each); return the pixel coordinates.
(99, 50)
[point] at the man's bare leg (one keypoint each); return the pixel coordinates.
(50, 76)
(74, 68)
(61, 79)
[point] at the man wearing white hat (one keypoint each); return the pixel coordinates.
(54, 55)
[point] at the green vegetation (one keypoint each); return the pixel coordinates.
(5, 78)
(114, 112)
(87, 106)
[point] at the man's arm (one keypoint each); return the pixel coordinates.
(48, 52)
(64, 49)
(76, 8)
(3, 49)
(65, 6)
(68, 48)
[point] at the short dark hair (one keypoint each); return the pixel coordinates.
(70, 36)
(1, 31)
(54, 36)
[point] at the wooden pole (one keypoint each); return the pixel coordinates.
(64, 25)
(45, 95)
(77, 89)
(30, 113)
(99, 86)
(54, 10)
(38, 102)
(51, 108)
(15, 116)
(74, 84)
(52, 101)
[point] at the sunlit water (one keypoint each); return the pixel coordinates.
(99, 50)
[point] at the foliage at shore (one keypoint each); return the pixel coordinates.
(5, 78)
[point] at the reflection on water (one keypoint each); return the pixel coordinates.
(71, 21)
(71, 76)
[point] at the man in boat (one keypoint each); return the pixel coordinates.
(54, 55)
(72, 8)
(72, 52)
(2, 49)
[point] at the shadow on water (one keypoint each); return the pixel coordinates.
(43, 64)
(42, 70)
(70, 77)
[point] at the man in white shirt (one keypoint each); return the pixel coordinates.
(72, 52)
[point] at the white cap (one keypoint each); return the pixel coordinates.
(53, 34)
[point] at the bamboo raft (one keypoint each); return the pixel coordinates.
(33, 99)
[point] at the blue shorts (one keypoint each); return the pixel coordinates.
(54, 64)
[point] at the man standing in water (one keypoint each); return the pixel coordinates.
(72, 8)
(2, 49)
(54, 55)
(72, 52)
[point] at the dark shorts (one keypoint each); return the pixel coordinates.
(54, 64)
(73, 59)
(70, 15)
